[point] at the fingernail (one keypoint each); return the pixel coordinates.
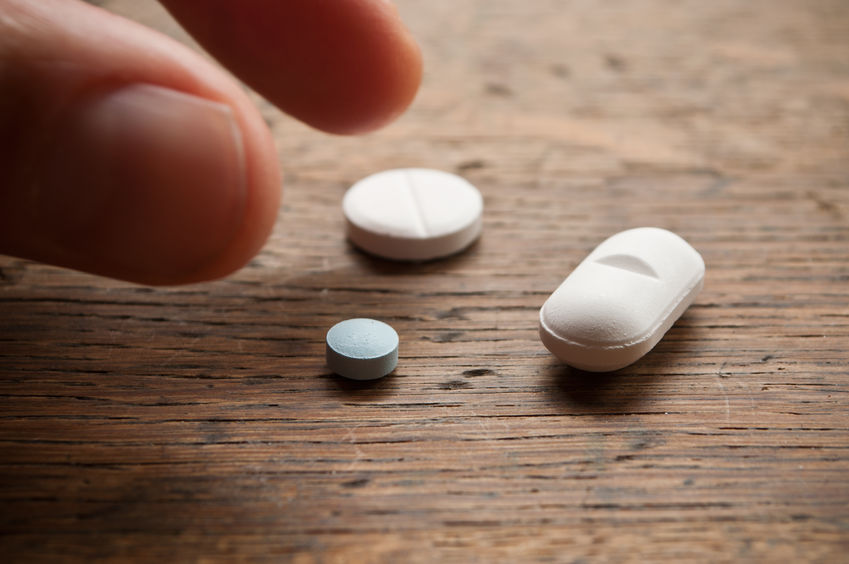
(145, 184)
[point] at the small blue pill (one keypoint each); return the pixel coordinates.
(362, 349)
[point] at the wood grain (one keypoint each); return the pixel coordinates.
(199, 423)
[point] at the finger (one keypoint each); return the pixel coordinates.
(124, 153)
(343, 66)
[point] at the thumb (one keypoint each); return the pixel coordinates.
(123, 153)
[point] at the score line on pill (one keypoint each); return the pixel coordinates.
(362, 349)
(413, 214)
(621, 300)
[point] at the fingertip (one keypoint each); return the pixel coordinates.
(263, 191)
(371, 73)
(373, 101)
(135, 158)
(342, 66)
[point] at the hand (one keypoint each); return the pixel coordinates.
(125, 154)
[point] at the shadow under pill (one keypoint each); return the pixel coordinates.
(378, 265)
(608, 393)
(624, 391)
(361, 390)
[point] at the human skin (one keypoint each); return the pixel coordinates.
(125, 154)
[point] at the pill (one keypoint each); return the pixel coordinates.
(620, 301)
(412, 214)
(362, 349)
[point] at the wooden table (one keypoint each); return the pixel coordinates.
(200, 422)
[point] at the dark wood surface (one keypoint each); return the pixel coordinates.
(200, 422)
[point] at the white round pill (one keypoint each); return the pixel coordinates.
(620, 301)
(362, 349)
(413, 214)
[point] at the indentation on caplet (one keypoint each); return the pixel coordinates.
(629, 263)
